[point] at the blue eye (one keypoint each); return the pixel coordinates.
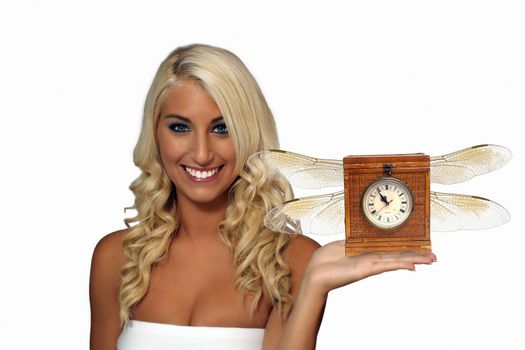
(220, 129)
(178, 127)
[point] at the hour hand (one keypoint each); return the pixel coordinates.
(383, 198)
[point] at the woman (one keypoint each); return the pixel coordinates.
(198, 254)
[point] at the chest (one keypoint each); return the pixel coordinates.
(198, 289)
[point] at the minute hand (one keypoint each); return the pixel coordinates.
(386, 205)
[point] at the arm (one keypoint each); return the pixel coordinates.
(329, 269)
(104, 284)
(302, 325)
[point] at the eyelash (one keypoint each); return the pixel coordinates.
(182, 128)
(176, 127)
(224, 128)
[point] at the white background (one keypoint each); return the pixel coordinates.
(364, 77)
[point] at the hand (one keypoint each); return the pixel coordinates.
(329, 268)
(383, 198)
(383, 207)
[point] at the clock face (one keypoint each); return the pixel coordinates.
(387, 203)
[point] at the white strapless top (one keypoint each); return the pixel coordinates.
(140, 335)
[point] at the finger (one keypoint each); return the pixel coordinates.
(416, 259)
(405, 256)
(411, 252)
(385, 266)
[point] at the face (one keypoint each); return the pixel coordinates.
(196, 150)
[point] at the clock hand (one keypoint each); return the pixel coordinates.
(386, 200)
(384, 206)
(377, 212)
(383, 198)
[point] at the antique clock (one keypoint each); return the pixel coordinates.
(387, 203)
(386, 199)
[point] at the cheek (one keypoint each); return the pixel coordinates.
(229, 155)
(167, 148)
(232, 154)
(169, 159)
(227, 150)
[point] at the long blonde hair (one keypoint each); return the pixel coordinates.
(257, 251)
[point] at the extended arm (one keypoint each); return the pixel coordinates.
(329, 269)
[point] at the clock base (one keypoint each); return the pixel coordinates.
(356, 248)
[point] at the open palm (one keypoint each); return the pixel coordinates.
(330, 268)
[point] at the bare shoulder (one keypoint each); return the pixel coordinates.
(107, 261)
(109, 247)
(300, 249)
(104, 283)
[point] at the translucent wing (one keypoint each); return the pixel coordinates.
(451, 212)
(323, 214)
(308, 172)
(300, 170)
(465, 164)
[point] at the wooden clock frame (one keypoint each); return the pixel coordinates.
(414, 234)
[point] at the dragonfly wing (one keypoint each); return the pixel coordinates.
(465, 164)
(323, 214)
(451, 212)
(300, 170)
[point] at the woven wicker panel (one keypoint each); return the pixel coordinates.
(413, 228)
(359, 227)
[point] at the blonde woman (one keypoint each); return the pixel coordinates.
(196, 269)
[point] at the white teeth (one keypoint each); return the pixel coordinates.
(201, 174)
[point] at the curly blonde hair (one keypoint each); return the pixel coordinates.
(256, 250)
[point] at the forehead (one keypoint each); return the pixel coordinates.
(189, 100)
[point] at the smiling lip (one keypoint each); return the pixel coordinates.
(202, 174)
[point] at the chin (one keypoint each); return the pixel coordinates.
(207, 198)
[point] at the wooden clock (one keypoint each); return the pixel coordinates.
(387, 203)
(386, 200)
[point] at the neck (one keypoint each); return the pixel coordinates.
(200, 221)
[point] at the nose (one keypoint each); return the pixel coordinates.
(202, 153)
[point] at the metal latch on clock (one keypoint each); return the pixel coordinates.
(387, 169)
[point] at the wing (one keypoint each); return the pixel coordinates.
(451, 212)
(301, 171)
(465, 164)
(323, 214)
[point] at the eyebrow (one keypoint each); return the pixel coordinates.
(187, 120)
